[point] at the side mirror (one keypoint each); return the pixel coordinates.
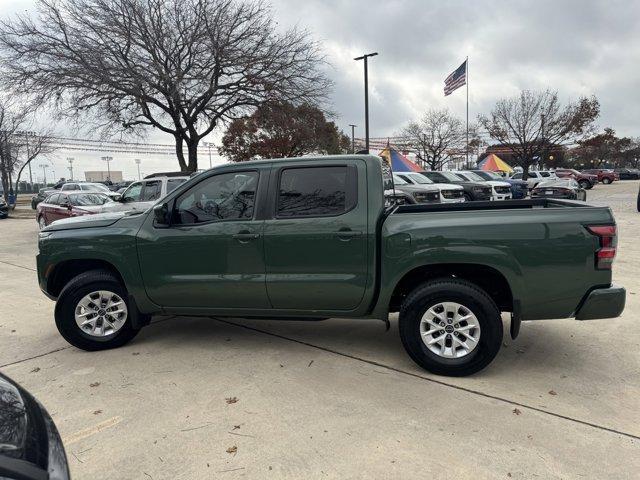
(161, 214)
(66, 205)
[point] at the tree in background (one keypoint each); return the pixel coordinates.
(437, 138)
(530, 123)
(180, 66)
(603, 149)
(18, 146)
(282, 129)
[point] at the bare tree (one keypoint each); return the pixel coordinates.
(437, 138)
(180, 66)
(528, 124)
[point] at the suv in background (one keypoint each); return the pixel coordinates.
(143, 194)
(472, 190)
(448, 193)
(519, 188)
(535, 177)
(604, 175)
(500, 190)
(628, 173)
(88, 187)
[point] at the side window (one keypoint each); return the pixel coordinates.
(133, 193)
(406, 178)
(53, 199)
(63, 199)
(173, 183)
(70, 186)
(517, 176)
(316, 191)
(228, 196)
(545, 174)
(151, 191)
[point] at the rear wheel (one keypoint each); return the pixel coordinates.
(93, 312)
(450, 327)
(585, 184)
(606, 181)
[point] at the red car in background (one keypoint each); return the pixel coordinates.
(66, 205)
(605, 176)
(585, 180)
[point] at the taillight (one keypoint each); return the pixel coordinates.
(607, 236)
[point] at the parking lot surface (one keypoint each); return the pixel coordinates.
(228, 398)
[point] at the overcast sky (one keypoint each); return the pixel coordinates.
(576, 47)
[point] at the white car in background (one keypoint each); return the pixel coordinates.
(145, 193)
(449, 193)
(92, 187)
(535, 177)
(499, 190)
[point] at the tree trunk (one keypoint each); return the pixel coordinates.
(180, 153)
(192, 147)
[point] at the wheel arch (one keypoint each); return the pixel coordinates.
(488, 278)
(66, 270)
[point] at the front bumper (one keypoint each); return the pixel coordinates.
(500, 197)
(602, 303)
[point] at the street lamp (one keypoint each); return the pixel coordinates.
(209, 145)
(44, 167)
(108, 159)
(137, 160)
(353, 144)
(365, 57)
(70, 167)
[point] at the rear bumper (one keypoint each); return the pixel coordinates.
(602, 303)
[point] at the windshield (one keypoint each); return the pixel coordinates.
(88, 199)
(94, 186)
(474, 177)
(452, 177)
(419, 178)
(399, 180)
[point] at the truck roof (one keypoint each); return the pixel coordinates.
(318, 158)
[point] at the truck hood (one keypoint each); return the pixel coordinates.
(88, 221)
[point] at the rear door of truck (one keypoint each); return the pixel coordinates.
(315, 235)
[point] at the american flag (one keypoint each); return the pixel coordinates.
(457, 79)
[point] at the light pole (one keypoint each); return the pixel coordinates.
(44, 167)
(26, 135)
(137, 160)
(70, 167)
(108, 160)
(365, 57)
(208, 145)
(353, 144)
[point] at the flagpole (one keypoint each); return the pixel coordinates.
(467, 82)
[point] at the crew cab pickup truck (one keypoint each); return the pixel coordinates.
(310, 238)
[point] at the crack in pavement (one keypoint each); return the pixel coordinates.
(438, 382)
(19, 266)
(35, 356)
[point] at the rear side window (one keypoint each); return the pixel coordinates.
(316, 191)
(53, 199)
(151, 191)
(173, 183)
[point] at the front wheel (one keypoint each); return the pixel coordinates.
(585, 184)
(93, 312)
(606, 181)
(450, 327)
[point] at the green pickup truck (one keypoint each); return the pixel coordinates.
(311, 238)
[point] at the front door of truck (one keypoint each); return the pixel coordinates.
(211, 256)
(316, 237)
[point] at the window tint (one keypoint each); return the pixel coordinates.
(70, 186)
(88, 199)
(133, 193)
(316, 191)
(545, 174)
(151, 191)
(228, 196)
(52, 199)
(63, 199)
(173, 183)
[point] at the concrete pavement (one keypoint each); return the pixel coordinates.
(218, 398)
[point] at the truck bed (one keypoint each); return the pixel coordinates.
(501, 205)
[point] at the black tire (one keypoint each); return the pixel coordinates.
(585, 184)
(606, 181)
(73, 292)
(464, 293)
(467, 197)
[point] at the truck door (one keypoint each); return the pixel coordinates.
(211, 256)
(316, 236)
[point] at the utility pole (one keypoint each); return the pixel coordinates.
(209, 145)
(108, 160)
(137, 160)
(70, 167)
(44, 167)
(542, 150)
(353, 143)
(365, 57)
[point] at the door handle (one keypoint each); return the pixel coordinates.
(245, 236)
(346, 235)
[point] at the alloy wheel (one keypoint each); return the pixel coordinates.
(101, 313)
(450, 330)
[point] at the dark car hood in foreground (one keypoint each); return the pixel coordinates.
(88, 221)
(29, 441)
